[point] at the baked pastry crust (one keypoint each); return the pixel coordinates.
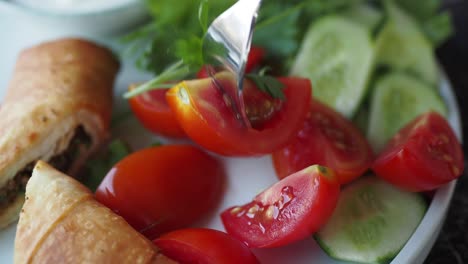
(61, 222)
(56, 87)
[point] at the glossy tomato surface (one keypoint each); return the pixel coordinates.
(254, 60)
(290, 210)
(326, 138)
(154, 113)
(208, 117)
(424, 155)
(202, 245)
(163, 188)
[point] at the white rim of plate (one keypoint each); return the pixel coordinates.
(421, 242)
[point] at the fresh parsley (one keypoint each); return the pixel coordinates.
(175, 36)
(267, 84)
(98, 167)
(435, 24)
(187, 52)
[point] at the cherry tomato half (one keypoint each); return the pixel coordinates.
(207, 118)
(424, 155)
(154, 113)
(254, 60)
(202, 245)
(289, 210)
(163, 188)
(328, 139)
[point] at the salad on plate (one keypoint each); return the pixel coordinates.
(348, 140)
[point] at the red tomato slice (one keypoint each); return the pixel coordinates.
(328, 139)
(160, 189)
(289, 210)
(424, 155)
(207, 246)
(254, 60)
(256, 55)
(154, 113)
(207, 119)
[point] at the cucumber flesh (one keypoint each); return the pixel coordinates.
(402, 46)
(372, 222)
(397, 99)
(336, 54)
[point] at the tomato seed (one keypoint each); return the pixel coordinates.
(252, 211)
(272, 212)
(444, 138)
(236, 210)
(447, 158)
(340, 145)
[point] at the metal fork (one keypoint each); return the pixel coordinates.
(227, 44)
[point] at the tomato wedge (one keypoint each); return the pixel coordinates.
(207, 118)
(154, 113)
(328, 139)
(424, 155)
(163, 188)
(289, 210)
(202, 245)
(254, 60)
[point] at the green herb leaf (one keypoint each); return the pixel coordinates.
(420, 9)
(156, 143)
(176, 71)
(436, 25)
(98, 167)
(439, 28)
(268, 84)
(203, 17)
(277, 29)
(167, 38)
(190, 51)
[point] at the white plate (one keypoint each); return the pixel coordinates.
(246, 177)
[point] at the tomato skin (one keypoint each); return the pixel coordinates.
(329, 139)
(163, 188)
(422, 156)
(154, 113)
(204, 115)
(254, 60)
(255, 57)
(202, 245)
(290, 210)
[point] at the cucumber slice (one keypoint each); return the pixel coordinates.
(401, 45)
(372, 222)
(364, 14)
(397, 99)
(336, 54)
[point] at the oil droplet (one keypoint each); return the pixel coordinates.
(262, 228)
(286, 197)
(183, 96)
